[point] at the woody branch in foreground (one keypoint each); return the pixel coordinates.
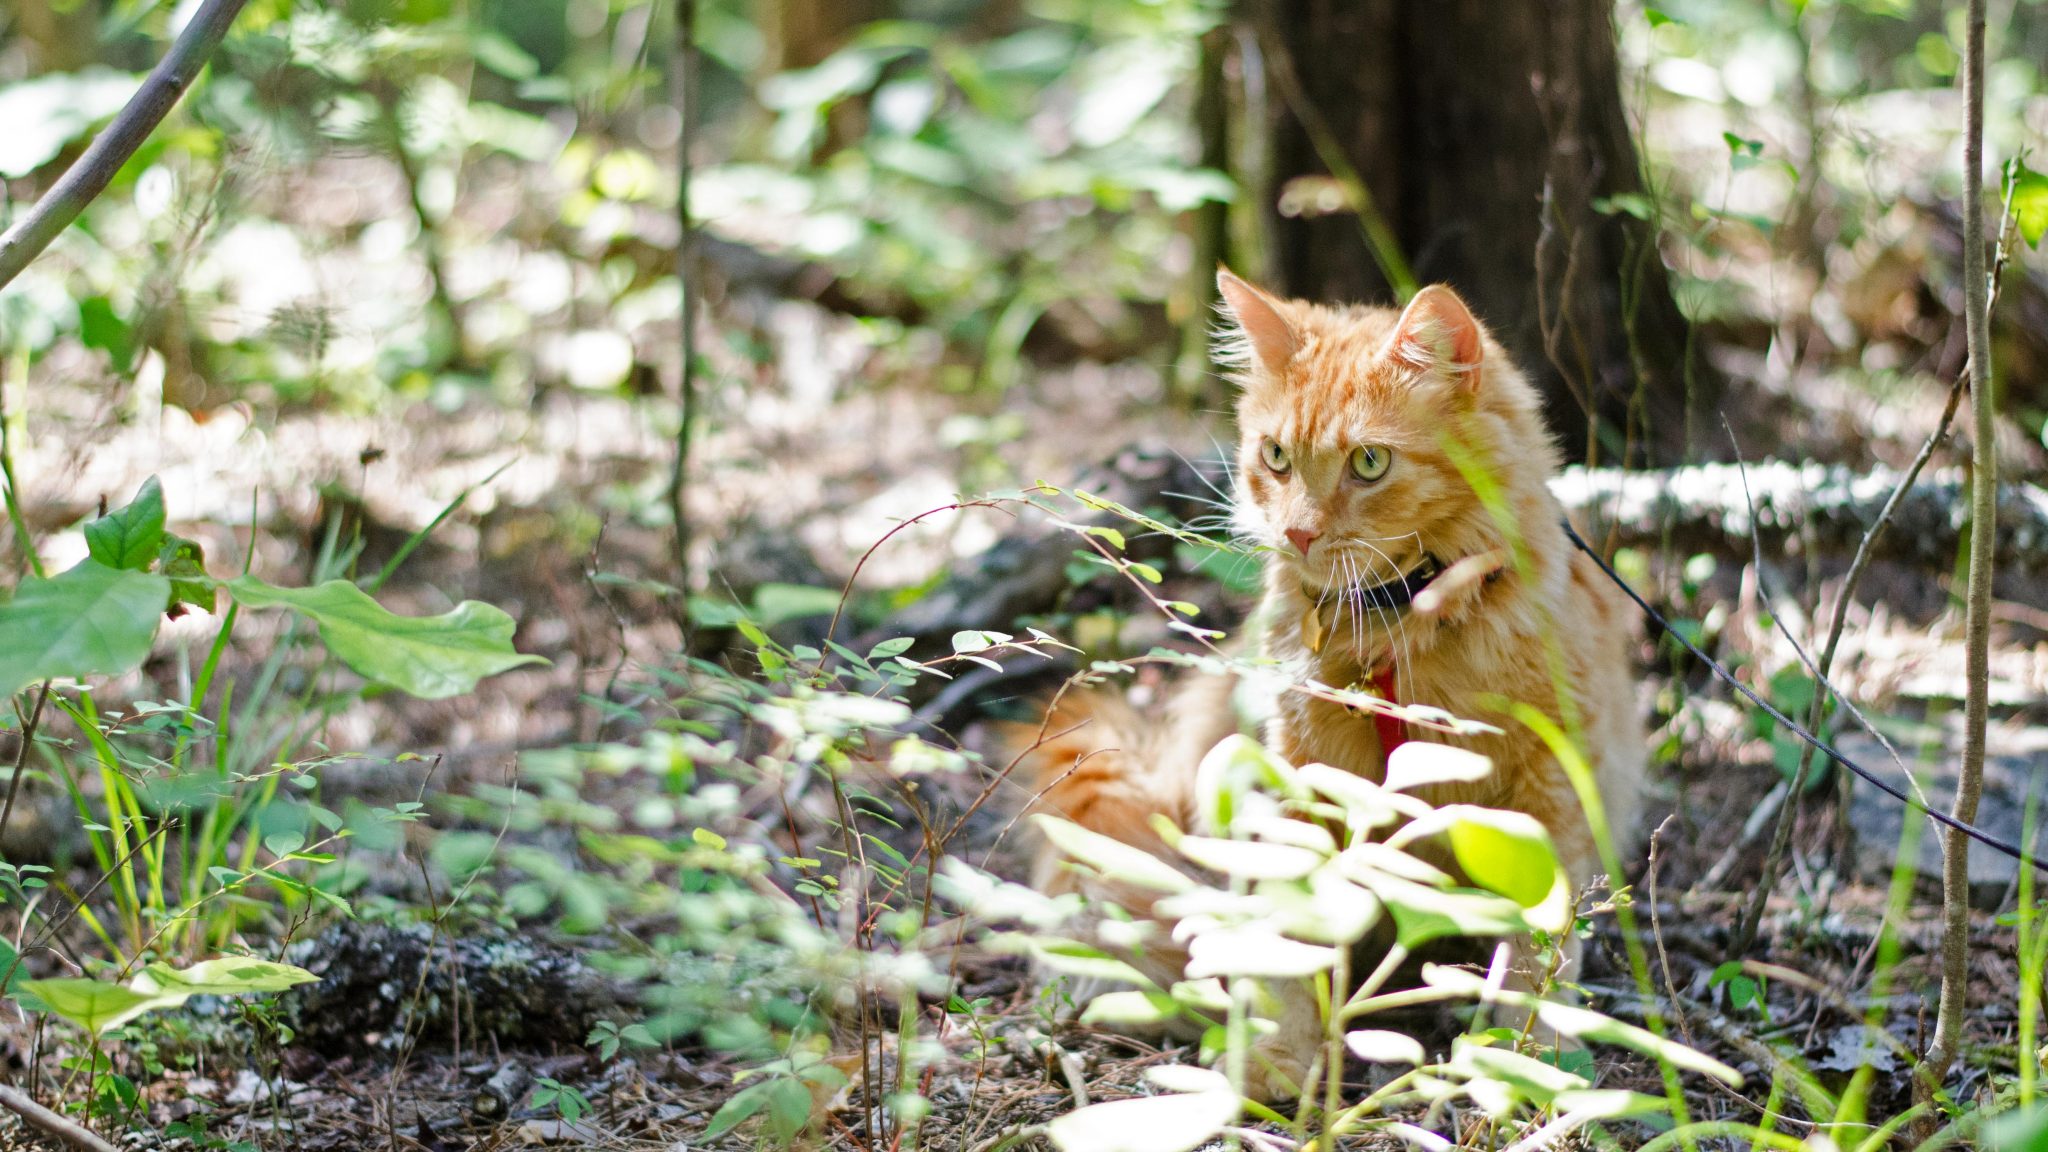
(82, 183)
(1955, 873)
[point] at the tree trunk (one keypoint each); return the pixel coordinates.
(1491, 137)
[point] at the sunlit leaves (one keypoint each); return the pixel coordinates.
(1382, 1047)
(1201, 1104)
(1418, 763)
(1114, 859)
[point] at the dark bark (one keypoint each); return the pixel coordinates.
(1486, 132)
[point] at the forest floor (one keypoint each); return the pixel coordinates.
(795, 483)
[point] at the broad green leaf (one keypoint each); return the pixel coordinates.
(1422, 914)
(2029, 191)
(221, 976)
(10, 966)
(95, 1005)
(776, 604)
(1113, 858)
(1530, 1078)
(1129, 1009)
(432, 657)
(1071, 959)
(1255, 952)
(1248, 859)
(1366, 805)
(1419, 762)
(737, 1109)
(1505, 852)
(1381, 1047)
(895, 646)
(89, 620)
(1172, 1123)
(130, 537)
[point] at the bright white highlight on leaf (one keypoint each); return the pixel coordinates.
(1418, 763)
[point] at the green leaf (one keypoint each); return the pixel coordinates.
(130, 536)
(736, 1110)
(1249, 859)
(777, 604)
(895, 646)
(92, 619)
(1505, 852)
(789, 1108)
(1112, 858)
(1382, 1047)
(222, 976)
(1255, 952)
(1420, 762)
(1530, 1078)
(94, 1005)
(2029, 192)
(1583, 1023)
(1422, 914)
(1130, 1009)
(431, 657)
(1171, 1123)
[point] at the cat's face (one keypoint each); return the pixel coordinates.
(1344, 465)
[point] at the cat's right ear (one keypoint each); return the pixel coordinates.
(1260, 318)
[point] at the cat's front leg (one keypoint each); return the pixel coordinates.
(1279, 1061)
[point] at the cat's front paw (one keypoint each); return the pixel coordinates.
(1276, 1072)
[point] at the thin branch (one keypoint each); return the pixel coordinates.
(88, 177)
(1955, 850)
(50, 1123)
(683, 80)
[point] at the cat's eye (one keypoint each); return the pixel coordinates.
(1274, 455)
(1370, 461)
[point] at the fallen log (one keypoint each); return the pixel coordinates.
(1703, 508)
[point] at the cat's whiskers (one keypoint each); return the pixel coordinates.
(1397, 630)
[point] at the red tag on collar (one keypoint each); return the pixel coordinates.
(1393, 731)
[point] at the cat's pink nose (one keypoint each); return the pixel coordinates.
(1302, 538)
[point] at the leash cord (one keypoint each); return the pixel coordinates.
(1794, 727)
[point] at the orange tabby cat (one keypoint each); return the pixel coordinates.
(1362, 433)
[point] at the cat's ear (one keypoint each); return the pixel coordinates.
(1260, 317)
(1438, 333)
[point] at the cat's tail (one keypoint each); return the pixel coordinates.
(1109, 768)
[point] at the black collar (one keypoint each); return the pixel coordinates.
(1395, 593)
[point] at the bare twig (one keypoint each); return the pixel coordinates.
(29, 723)
(1955, 850)
(49, 1123)
(86, 179)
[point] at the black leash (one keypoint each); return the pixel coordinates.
(1794, 727)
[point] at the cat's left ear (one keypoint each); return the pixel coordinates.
(1438, 333)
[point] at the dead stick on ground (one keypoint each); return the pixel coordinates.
(1955, 848)
(49, 1123)
(87, 178)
